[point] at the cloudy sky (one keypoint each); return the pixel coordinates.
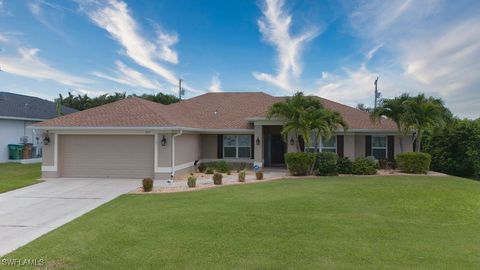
(334, 49)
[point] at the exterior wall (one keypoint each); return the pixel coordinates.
(187, 148)
(164, 152)
(359, 145)
(407, 144)
(48, 158)
(258, 149)
(10, 133)
(349, 146)
(209, 146)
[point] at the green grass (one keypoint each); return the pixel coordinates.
(13, 176)
(325, 223)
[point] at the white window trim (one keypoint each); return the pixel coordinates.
(237, 146)
(320, 147)
(380, 148)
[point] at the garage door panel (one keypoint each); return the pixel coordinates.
(110, 156)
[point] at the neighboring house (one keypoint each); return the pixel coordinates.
(17, 112)
(135, 138)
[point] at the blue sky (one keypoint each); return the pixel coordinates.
(333, 49)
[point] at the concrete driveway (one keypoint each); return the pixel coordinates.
(28, 213)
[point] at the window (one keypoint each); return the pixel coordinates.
(237, 146)
(329, 145)
(379, 147)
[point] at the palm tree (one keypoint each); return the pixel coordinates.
(305, 116)
(292, 112)
(423, 113)
(394, 109)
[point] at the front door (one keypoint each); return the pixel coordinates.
(277, 150)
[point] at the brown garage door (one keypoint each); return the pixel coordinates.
(106, 156)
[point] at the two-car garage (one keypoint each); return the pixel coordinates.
(106, 156)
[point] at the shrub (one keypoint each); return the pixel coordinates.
(192, 181)
(259, 175)
(222, 166)
(299, 163)
(344, 165)
(217, 178)
(364, 166)
(414, 162)
(147, 184)
(241, 176)
(209, 170)
(202, 167)
(455, 148)
(326, 163)
(386, 164)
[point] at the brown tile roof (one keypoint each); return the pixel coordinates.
(227, 110)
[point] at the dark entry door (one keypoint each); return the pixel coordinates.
(277, 148)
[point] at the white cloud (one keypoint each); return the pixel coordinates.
(424, 49)
(448, 62)
(3, 38)
(128, 76)
(216, 84)
(28, 64)
(114, 16)
(275, 27)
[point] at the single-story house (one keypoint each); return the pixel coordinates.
(17, 112)
(136, 138)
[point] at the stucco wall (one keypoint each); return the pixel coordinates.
(359, 146)
(10, 133)
(48, 151)
(407, 144)
(349, 146)
(258, 149)
(187, 148)
(209, 146)
(164, 152)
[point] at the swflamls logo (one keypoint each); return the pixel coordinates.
(23, 262)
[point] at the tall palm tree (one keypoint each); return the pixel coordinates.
(305, 116)
(395, 109)
(292, 112)
(423, 113)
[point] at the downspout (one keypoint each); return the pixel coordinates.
(173, 155)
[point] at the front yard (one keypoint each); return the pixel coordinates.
(397, 222)
(13, 176)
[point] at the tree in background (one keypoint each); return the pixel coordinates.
(364, 108)
(395, 109)
(160, 98)
(422, 113)
(83, 102)
(455, 149)
(413, 114)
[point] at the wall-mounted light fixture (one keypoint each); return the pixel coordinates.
(46, 139)
(163, 141)
(292, 142)
(257, 141)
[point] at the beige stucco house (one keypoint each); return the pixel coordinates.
(135, 138)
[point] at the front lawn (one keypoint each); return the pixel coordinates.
(398, 222)
(13, 175)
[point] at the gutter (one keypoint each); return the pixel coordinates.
(173, 155)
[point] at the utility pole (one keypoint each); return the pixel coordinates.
(377, 94)
(181, 91)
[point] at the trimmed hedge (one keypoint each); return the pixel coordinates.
(414, 162)
(299, 163)
(364, 166)
(344, 165)
(326, 164)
